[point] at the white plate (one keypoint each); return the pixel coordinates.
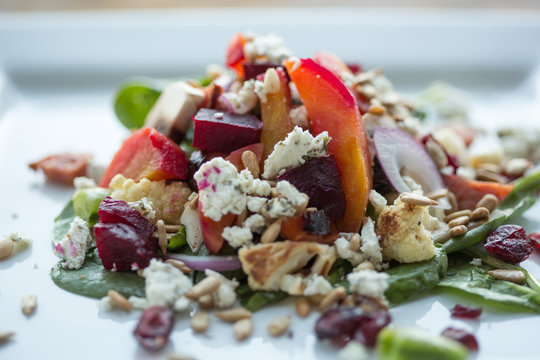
(60, 71)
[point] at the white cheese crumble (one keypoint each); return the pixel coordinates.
(294, 150)
(269, 46)
(255, 203)
(368, 283)
(291, 193)
(260, 90)
(255, 223)
(245, 99)
(165, 285)
(316, 285)
(219, 189)
(278, 207)
(476, 262)
(292, 284)
(299, 117)
(344, 251)
(237, 236)
(145, 207)
(224, 296)
(72, 248)
(370, 244)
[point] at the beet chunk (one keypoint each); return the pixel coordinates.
(510, 243)
(124, 236)
(120, 246)
(217, 131)
(118, 211)
(319, 179)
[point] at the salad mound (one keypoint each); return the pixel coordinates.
(313, 178)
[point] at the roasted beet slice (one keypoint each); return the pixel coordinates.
(251, 70)
(319, 179)
(510, 243)
(154, 328)
(122, 248)
(118, 211)
(217, 131)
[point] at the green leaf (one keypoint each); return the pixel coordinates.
(93, 280)
(178, 240)
(337, 276)
(86, 203)
(523, 187)
(474, 280)
(133, 101)
(62, 222)
(477, 235)
(409, 280)
(256, 300)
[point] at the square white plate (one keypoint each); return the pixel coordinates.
(58, 72)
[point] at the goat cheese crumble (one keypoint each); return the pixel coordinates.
(294, 150)
(72, 248)
(368, 283)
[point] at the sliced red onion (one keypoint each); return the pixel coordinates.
(216, 263)
(224, 81)
(400, 154)
(225, 103)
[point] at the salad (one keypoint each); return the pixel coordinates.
(310, 178)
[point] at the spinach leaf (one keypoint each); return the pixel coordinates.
(409, 280)
(477, 235)
(93, 280)
(62, 222)
(133, 102)
(254, 300)
(474, 280)
(337, 276)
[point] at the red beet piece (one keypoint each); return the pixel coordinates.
(461, 336)
(154, 327)
(319, 179)
(251, 70)
(120, 247)
(118, 211)
(466, 312)
(225, 132)
(535, 240)
(342, 324)
(510, 243)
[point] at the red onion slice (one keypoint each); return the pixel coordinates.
(400, 154)
(216, 263)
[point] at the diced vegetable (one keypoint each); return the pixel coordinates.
(147, 154)
(217, 131)
(331, 107)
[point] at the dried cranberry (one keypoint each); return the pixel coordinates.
(338, 323)
(370, 326)
(510, 243)
(461, 336)
(535, 240)
(343, 324)
(466, 312)
(154, 327)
